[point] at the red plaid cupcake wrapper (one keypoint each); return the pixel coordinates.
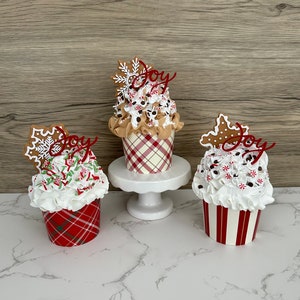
(148, 154)
(229, 226)
(72, 228)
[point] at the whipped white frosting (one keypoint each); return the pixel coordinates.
(150, 100)
(229, 179)
(146, 109)
(66, 182)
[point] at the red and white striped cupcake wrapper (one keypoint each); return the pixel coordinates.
(230, 227)
(148, 154)
(72, 228)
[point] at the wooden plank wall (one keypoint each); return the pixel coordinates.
(237, 57)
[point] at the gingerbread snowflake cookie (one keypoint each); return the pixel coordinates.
(223, 131)
(127, 73)
(40, 143)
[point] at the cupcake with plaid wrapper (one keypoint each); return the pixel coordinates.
(68, 186)
(233, 181)
(145, 117)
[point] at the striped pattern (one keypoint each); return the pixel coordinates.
(229, 226)
(148, 154)
(68, 228)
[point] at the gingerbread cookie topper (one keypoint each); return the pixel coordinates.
(229, 137)
(222, 132)
(46, 142)
(41, 138)
(127, 73)
(136, 74)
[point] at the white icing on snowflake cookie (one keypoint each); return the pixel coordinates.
(128, 72)
(40, 140)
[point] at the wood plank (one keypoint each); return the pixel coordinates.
(240, 58)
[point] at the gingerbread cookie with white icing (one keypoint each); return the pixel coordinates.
(223, 131)
(41, 138)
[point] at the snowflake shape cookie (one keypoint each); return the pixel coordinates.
(40, 140)
(127, 74)
(222, 132)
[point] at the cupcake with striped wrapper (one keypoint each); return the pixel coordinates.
(233, 181)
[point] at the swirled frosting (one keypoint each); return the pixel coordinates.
(67, 182)
(229, 179)
(146, 110)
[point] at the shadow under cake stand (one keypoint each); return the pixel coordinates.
(149, 203)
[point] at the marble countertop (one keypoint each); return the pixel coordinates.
(171, 258)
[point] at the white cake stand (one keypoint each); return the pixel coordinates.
(149, 204)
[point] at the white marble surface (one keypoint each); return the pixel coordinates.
(170, 258)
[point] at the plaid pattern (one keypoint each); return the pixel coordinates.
(148, 154)
(72, 228)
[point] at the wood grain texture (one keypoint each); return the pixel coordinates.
(237, 57)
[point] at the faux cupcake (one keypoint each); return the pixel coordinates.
(68, 186)
(232, 180)
(145, 117)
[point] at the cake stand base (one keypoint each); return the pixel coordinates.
(148, 203)
(149, 206)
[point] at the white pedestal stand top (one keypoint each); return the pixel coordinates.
(149, 204)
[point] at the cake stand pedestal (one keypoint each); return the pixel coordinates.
(149, 203)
